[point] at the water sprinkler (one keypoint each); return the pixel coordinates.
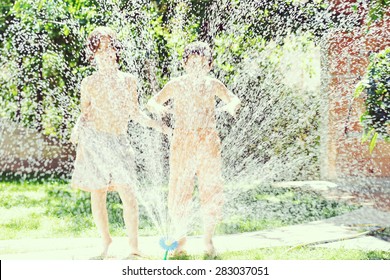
(168, 245)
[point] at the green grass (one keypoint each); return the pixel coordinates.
(50, 208)
(310, 253)
(42, 209)
(283, 253)
(264, 207)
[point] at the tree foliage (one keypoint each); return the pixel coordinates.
(42, 45)
(42, 62)
(376, 85)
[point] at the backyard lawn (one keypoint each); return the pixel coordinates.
(51, 209)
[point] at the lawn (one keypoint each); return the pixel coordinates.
(50, 208)
(308, 253)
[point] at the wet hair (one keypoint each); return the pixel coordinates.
(197, 48)
(93, 42)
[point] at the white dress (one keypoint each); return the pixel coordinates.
(103, 160)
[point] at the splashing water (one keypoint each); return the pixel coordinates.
(269, 57)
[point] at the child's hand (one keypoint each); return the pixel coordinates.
(231, 109)
(157, 108)
(74, 136)
(167, 130)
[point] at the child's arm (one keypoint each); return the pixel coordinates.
(85, 102)
(139, 116)
(155, 104)
(232, 101)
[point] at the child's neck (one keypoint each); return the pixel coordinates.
(108, 68)
(197, 74)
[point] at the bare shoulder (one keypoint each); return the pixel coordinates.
(87, 81)
(173, 85)
(215, 82)
(128, 77)
(217, 86)
(176, 81)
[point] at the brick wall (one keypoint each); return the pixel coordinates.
(345, 59)
(24, 151)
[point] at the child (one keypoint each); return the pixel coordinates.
(104, 158)
(196, 146)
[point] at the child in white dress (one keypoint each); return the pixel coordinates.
(104, 158)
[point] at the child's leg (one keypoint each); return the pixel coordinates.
(180, 198)
(130, 216)
(210, 187)
(181, 188)
(211, 197)
(99, 213)
(181, 185)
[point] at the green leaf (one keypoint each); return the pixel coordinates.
(367, 134)
(65, 30)
(361, 86)
(373, 142)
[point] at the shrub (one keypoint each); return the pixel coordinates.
(376, 86)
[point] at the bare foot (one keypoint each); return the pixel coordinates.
(136, 256)
(100, 257)
(210, 249)
(180, 247)
(106, 244)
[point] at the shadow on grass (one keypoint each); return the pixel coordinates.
(378, 255)
(34, 178)
(383, 235)
(186, 256)
(307, 253)
(282, 253)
